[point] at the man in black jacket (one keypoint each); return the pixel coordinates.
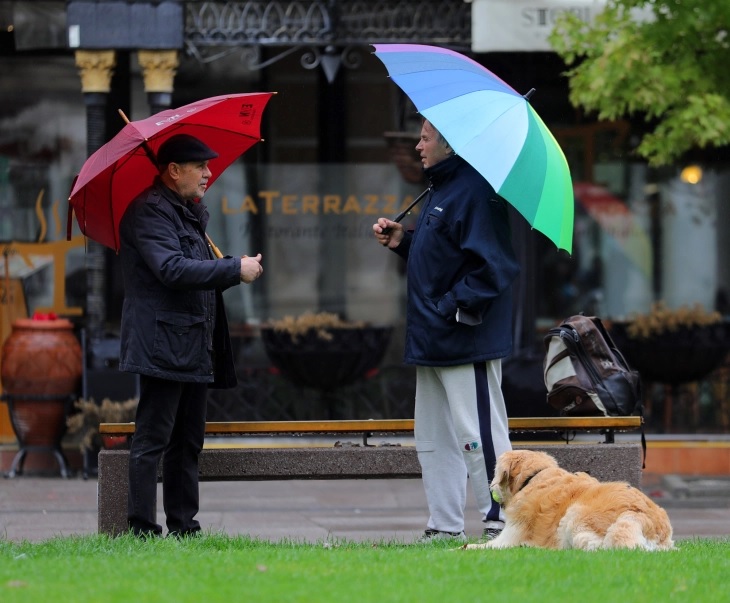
(460, 269)
(174, 332)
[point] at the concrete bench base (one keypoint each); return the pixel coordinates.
(606, 462)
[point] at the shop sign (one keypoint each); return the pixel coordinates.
(523, 25)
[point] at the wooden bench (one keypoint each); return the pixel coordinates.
(565, 425)
(615, 461)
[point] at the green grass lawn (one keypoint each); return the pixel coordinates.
(230, 569)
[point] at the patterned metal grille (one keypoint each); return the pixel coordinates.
(323, 23)
(282, 23)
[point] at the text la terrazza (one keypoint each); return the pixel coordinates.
(270, 202)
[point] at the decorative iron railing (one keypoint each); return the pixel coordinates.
(333, 27)
(321, 22)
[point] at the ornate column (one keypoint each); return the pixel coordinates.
(158, 69)
(96, 68)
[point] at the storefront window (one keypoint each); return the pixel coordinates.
(640, 235)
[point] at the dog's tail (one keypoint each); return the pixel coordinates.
(636, 530)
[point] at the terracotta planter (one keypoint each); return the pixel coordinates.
(114, 442)
(41, 371)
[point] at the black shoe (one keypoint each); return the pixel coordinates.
(197, 533)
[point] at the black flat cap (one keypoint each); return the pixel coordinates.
(182, 148)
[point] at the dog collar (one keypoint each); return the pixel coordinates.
(527, 481)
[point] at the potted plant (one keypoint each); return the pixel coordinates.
(90, 415)
(673, 346)
(322, 350)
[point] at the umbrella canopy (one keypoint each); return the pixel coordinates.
(491, 126)
(121, 169)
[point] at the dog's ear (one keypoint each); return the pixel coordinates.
(506, 482)
(519, 463)
(509, 471)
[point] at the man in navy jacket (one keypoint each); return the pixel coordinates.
(174, 332)
(460, 270)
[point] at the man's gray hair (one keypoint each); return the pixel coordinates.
(440, 137)
(442, 140)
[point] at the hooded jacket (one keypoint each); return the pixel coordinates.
(173, 319)
(459, 257)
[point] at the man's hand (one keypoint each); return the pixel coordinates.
(251, 268)
(388, 233)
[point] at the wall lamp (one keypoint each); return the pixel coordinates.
(691, 174)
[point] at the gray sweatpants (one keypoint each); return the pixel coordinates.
(460, 430)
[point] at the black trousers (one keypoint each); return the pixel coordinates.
(169, 424)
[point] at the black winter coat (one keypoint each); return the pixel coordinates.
(173, 319)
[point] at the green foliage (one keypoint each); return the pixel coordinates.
(669, 66)
(220, 568)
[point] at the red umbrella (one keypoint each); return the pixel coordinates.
(121, 169)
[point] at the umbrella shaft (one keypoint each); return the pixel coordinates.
(216, 251)
(403, 214)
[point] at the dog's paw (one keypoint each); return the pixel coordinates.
(478, 545)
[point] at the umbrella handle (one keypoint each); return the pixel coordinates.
(216, 251)
(403, 214)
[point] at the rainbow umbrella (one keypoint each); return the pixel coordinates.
(493, 127)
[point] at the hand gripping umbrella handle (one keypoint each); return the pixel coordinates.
(151, 155)
(403, 214)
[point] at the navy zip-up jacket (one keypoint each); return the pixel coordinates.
(459, 256)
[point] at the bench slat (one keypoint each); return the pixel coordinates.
(341, 426)
(385, 425)
(575, 422)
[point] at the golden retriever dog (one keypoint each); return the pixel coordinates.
(546, 506)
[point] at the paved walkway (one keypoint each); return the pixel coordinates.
(39, 508)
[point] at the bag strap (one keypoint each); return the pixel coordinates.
(640, 406)
(609, 341)
(643, 442)
(574, 346)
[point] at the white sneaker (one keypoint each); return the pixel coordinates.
(431, 535)
(490, 534)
